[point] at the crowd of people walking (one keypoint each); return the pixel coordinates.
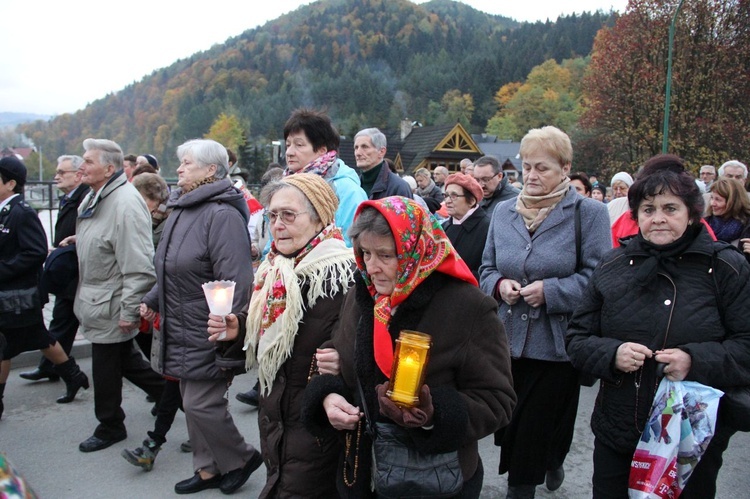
(527, 290)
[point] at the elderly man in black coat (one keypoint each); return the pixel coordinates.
(64, 324)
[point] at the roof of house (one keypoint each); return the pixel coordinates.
(501, 149)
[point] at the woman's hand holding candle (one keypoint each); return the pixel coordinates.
(222, 328)
(414, 417)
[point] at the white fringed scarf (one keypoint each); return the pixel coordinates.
(277, 304)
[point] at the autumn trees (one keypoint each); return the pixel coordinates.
(625, 85)
(367, 62)
(551, 95)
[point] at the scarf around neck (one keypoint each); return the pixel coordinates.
(195, 185)
(319, 166)
(427, 190)
(421, 248)
(534, 209)
(277, 304)
(663, 257)
(726, 229)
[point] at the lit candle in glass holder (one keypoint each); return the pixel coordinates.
(219, 295)
(409, 367)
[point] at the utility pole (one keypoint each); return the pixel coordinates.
(668, 97)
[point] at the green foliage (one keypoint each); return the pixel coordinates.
(228, 131)
(551, 95)
(453, 107)
(367, 62)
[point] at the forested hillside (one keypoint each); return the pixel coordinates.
(369, 62)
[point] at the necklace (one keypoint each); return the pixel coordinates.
(356, 454)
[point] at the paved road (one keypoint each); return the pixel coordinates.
(42, 437)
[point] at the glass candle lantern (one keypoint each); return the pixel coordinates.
(409, 367)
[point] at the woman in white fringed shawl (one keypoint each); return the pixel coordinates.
(296, 300)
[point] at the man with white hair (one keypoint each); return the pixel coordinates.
(733, 169)
(116, 269)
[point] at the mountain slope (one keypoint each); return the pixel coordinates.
(368, 62)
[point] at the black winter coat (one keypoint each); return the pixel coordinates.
(389, 184)
(66, 218)
(682, 310)
(503, 192)
(23, 248)
(469, 238)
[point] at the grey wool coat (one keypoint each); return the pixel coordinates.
(548, 255)
(205, 239)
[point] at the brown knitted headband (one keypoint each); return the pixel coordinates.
(320, 194)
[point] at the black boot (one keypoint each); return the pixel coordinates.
(2, 390)
(250, 397)
(74, 378)
(39, 374)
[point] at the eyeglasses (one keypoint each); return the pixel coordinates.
(63, 172)
(453, 195)
(287, 216)
(485, 180)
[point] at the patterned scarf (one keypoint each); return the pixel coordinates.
(319, 166)
(534, 209)
(195, 185)
(421, 248)
(277, 304)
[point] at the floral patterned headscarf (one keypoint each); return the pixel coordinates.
(421, 248)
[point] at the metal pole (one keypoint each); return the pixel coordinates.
(668, 98)
(40, 164)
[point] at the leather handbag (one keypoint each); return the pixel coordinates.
(402, 471)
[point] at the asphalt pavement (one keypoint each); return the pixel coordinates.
(41, 439)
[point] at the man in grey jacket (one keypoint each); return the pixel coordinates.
(115, 259)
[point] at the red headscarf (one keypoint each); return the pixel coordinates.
(421, 248)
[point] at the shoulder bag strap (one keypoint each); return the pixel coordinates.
(579, 263)
(369, 423)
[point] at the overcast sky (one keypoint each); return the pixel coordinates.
(57, 57)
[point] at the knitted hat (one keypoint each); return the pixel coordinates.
(318, 192)
(14, 169)
(467, 182)
(622, 177)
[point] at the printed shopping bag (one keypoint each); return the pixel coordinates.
(679, 428)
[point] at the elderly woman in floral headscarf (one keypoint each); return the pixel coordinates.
(410, 277)
(296, 300)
